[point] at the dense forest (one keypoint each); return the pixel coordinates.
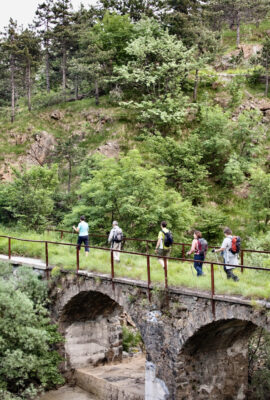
(139, 111)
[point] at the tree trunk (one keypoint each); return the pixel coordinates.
(237, 30)
(196, 84)
(12, 82)
(64, 70)
(96, 92)
(76, 88)
(69, 175)
(47, 69)
(266, 77)
(28, 85)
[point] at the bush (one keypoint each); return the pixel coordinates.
(131, 339)
(29, 362)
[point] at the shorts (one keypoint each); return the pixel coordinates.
(85, 241)
(164, 252)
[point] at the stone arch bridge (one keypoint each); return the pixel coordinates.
(191, 352)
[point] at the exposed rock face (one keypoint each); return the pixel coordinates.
(97, 119)
(110, 149)
(245, 51)
(41, 148)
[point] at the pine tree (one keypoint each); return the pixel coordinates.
(43, 22)
(29, 46)
(235, 12)
(63, 34)
(135, 8)
(11, 52)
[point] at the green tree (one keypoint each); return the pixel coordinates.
(102, 48)
(215, 134)
(29, 361)
(134, 195)
(134, 8)
(10, 51)
(159, 66)
(181, 162)
(43, 21)
(63, 34)
(28, 198)
(30, 56)
(236, 12)
(260, 198)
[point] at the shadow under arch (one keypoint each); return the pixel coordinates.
(92, 324)
(214, 362)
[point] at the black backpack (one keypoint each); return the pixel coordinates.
(202, 246)
(168, 238)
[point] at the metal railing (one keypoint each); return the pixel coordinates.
(148, 263)
(148, 241)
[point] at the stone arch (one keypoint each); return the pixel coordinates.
(214, 361)
(90, 322)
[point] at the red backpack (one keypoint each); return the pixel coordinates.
(236, 245)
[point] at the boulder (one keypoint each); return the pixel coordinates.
(57, 115)
(110, 149)
(41, 148)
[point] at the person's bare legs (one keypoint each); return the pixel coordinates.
(161, 261)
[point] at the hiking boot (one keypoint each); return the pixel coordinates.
(235, 278)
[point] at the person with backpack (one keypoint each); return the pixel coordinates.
(164, 243)
(115, 239)
(199, 247)
(83, 230)
(230, 248)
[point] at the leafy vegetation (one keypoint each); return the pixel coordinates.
(29, 361)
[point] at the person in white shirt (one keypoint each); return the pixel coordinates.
(83, 230)
(115, 239)
(229, 257)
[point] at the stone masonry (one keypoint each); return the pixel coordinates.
(190, 352)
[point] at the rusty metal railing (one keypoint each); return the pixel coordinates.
(148, 241)
(148, 262)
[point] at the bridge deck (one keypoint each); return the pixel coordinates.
(41, 265)
(30, 262)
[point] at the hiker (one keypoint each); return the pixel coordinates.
(83, 230)
(115, 238)
(164, 243)
(230, 256)
(199, 247)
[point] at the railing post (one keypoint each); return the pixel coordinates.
(242, 260)
(147, 247)
(9, 248)
(148, 277)
(112, 268)
(166, 273)
(183, 251)
(47, 260)
(78, 258)
(62, 234)
(213, 290)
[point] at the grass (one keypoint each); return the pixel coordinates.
(252, 284)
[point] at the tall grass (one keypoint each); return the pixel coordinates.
(252, 284)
